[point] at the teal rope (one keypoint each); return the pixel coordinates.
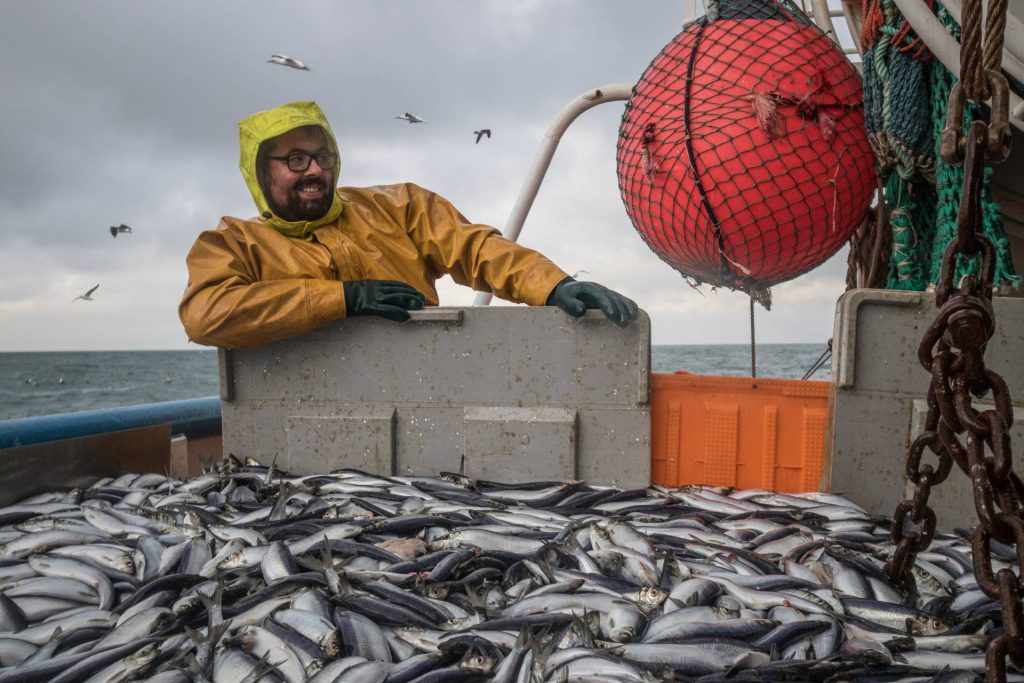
(899, 123)
(949, 182)
(905, 272)
(905, 102)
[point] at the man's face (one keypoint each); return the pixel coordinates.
(298, 195)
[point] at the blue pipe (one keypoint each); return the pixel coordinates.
(194, 417)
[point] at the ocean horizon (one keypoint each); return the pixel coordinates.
(47, 382)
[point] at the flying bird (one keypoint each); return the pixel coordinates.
(482, 132)
(87, 296)
(411, 118)
(115, 229)
(285, 60)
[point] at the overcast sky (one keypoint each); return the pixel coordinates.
(126, 112)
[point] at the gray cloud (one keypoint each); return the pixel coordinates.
(126, 112)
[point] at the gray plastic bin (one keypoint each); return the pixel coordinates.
(880, 390)
(503, 393)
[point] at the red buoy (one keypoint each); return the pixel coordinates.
(743, 158)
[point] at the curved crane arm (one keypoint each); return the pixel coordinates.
(605, 93)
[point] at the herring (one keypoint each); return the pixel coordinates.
(247, 571)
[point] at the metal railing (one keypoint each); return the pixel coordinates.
(195, 417)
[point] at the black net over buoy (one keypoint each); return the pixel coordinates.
(743, 159)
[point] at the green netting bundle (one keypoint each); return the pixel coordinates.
(905, 102)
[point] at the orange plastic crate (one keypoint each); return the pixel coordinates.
(738, 431)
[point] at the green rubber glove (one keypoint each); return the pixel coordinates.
(576, 297)
(386, 298)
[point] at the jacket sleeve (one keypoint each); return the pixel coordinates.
(226, 305)
(477, 255)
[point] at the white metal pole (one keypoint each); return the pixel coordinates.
(689, 11)
(605, 93)
(823, 18)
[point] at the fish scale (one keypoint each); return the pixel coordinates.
(498, 579)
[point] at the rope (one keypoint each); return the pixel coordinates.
(895, 102)
(949, 186)
(705, 202)
(905, 102)
(905, 269)
(970, 44)
(871, 23)
(825, 356)
(972, 71)
(753, 342)
(995, 30)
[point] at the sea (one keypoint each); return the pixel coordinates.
(43, 383)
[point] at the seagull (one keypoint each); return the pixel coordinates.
(482, 132)
(411, 118)
(285, 60)
(85, 297)
(114, 229)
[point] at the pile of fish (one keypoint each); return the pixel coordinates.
(246, 573)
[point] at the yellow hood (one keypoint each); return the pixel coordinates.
(264, 125)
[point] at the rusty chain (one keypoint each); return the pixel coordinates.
(953, 350)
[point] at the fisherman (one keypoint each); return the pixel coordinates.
(318, 253)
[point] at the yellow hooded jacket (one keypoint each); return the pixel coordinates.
(252, 282)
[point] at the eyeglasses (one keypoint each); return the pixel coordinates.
(300, 161)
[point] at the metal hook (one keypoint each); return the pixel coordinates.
(999, 137)
(952, 145)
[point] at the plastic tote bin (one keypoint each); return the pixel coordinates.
(738, 431)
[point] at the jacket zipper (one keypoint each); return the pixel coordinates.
(333, 266)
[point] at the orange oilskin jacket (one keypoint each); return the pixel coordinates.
(256, 281)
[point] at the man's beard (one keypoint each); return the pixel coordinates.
(299, 208)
